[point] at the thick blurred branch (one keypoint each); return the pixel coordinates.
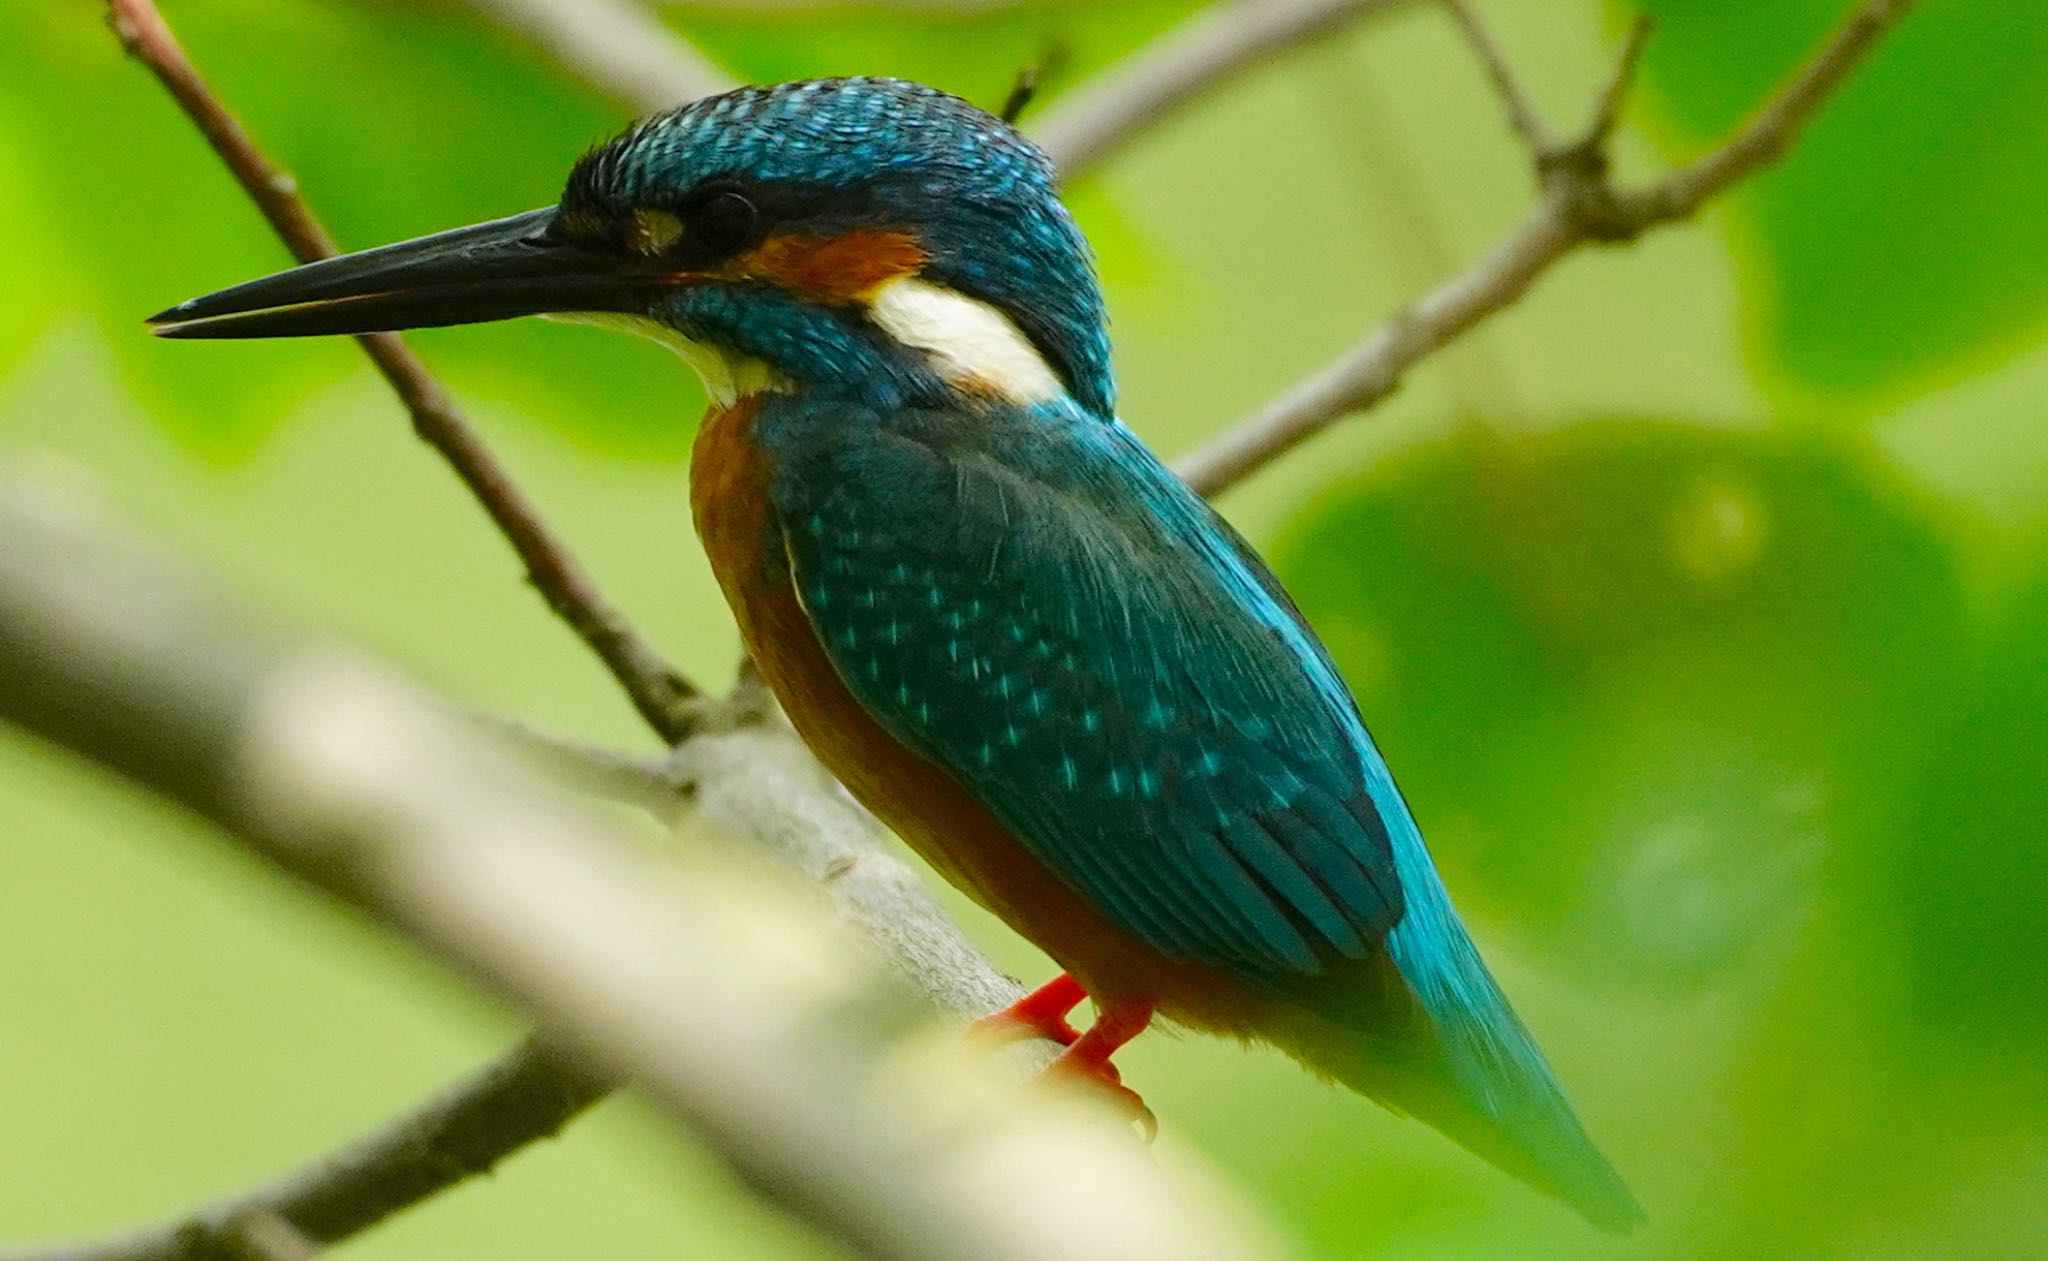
(1084, 126)
(753, 781)
(661, 695)
(616, 46)
(1580, 205)
(726, 997)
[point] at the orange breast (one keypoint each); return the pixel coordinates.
(919, 800)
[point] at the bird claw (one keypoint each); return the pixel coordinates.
(1106, 1082)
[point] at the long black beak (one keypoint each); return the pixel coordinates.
(491, 271)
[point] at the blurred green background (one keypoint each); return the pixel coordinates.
(1701, 603)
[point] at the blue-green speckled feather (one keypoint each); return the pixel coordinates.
(1091, 674)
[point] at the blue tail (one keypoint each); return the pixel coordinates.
(1465, 1064)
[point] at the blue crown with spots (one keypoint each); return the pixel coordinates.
(842, 154)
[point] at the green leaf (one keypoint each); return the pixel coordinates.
(1640, 680)
(1967, 876)
(396, 122)
(29, 268)
(1900, 245)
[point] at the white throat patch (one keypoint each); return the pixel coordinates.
(970, 343)
(727, 377)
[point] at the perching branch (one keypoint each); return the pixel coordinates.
(616, 46)
(1195, 58)
(729, 998)
(661, 695)
(1580, 205)
(753, 781)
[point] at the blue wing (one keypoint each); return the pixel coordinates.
(1096, 656)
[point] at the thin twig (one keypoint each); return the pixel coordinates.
(459, 1134)
(1408, 228)
(1613, 96)
(1521, 111)
(1579, 206)
(1030, 81)
(617, 46)
(661, 695)
(1022, 93)
(1769, 136)
(649, 783)
(1186, 63)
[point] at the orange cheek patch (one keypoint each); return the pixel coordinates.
(830, 269)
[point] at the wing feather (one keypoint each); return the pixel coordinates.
(1077, 639)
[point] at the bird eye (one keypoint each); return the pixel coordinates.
(722, 222)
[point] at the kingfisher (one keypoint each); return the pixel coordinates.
(986, 606)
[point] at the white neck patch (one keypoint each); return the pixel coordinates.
(969, 343)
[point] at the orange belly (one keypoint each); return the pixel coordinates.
(921, 801)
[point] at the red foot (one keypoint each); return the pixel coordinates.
(1041, 1013)
(1087, 1059)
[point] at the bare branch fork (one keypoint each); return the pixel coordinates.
(1579, 205)
(754, 778)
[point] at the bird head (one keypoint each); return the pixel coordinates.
(864, 237)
